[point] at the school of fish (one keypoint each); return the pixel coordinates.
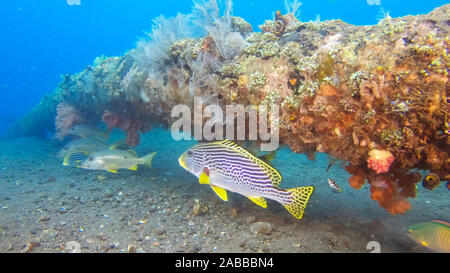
(227, 167)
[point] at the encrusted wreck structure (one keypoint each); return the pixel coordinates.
(375, 96)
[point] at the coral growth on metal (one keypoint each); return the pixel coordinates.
(375, 96)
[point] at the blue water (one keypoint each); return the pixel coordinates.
(41, 40)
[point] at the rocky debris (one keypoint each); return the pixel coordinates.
(199, 208)
(261, 228)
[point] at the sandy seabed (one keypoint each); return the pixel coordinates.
(45, 207)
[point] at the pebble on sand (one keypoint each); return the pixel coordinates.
(261, 228)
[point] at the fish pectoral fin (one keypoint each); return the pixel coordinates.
(204, 178)
(133, 168)
(222, 193)
(112, 171)
(258, 200)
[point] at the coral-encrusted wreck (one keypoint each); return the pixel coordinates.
(375, 96)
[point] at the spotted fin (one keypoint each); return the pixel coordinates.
(222, 193)
(258, 200)
(300, 197)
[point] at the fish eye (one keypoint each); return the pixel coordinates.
(190, 153)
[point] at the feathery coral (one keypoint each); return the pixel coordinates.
(153, 53)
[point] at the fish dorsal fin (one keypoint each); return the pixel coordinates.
(133, 152)
(258, 200)
(274, 175)
(441, 223)
(220, 192)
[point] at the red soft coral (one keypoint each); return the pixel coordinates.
(359, 176)
(131, 126)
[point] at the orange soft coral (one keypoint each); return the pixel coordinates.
(384, 190)
(380, 160)
(359, 176)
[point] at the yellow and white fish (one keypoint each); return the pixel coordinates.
(113, 160)
(226, 166)
(434, 235)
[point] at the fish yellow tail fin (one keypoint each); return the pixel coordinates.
(147, 160)
(300, 197)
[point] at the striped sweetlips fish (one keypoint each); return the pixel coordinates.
(225, 165)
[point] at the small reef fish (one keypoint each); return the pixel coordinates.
(83, 145)
(334, 185)
(85, 131)
(431, 181)
(226, 166)
(268, 157)
(113, 160)
(434, 235)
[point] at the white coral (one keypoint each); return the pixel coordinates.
(152, 53)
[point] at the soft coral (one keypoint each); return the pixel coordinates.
(66, 117)
(130, 125)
